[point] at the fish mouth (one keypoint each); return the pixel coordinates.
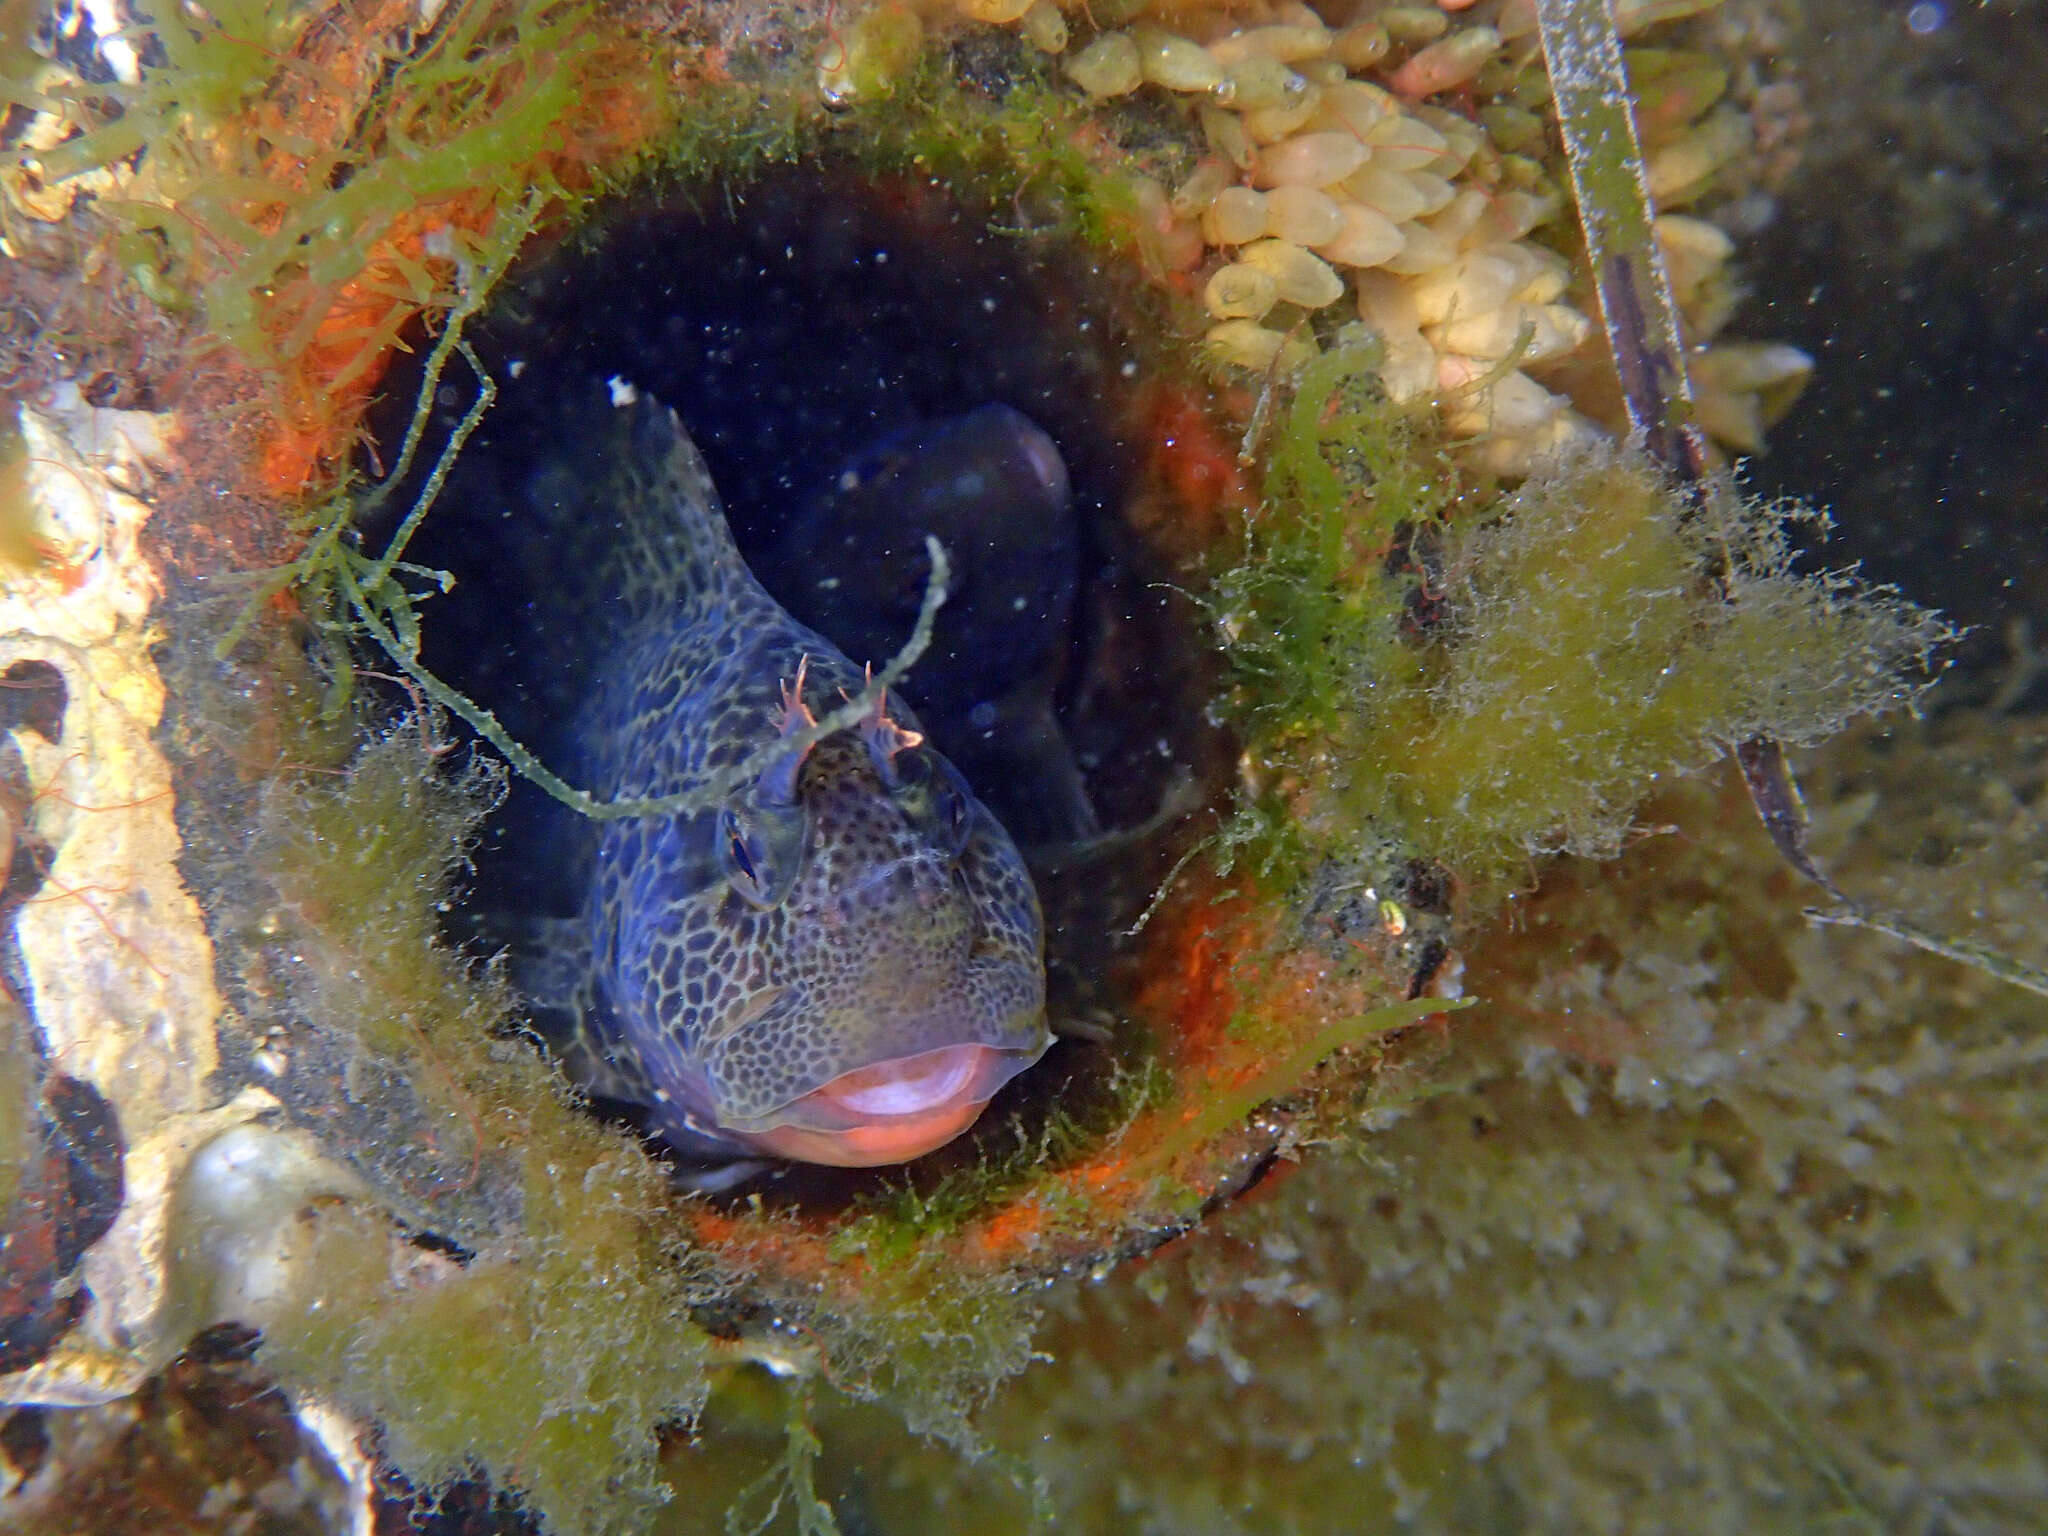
(895, 1110)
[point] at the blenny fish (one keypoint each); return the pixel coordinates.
(841, 962)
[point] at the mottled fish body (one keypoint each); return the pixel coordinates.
(842, 960)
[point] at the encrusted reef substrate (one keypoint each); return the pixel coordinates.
(1733, 1223)
(384, 1175)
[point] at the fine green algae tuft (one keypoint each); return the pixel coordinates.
(303, 184)
(250, 205)
(1307, 617)
(362, 867)
(1018, 158)
(1586, 652)
(1713, 1221)
(547, 1362)
(1485, 688)
(548, 1357)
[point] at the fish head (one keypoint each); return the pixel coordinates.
(895, 975)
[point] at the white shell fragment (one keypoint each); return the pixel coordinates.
(118, 965)
(120, 971)
(250, 1208)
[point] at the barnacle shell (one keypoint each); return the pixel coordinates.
(119, 967)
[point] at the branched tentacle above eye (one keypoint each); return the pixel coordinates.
(796, 714)
(884, 738)
(777, 785)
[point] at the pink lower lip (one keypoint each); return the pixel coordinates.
(913, 1086)
(897, 1140)
(895, 1111)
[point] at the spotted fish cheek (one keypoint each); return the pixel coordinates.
(775, 1060)
(709, 966)
(998, 889)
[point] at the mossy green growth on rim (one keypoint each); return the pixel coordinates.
(1509, 681)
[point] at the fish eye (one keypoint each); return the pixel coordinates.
(955, 812)
(761, 854)
(910, 773)
(932, 792)
(742, 868)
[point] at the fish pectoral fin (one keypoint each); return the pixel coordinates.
(552, 970)
(1183, 797)
(593, 1054)
(1027, 752)
(717, 1178)
(550, 959)
(1099, 1029)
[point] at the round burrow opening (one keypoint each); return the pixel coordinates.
(860, 362)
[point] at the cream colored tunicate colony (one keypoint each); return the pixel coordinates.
(1321, 187)
(1323, 190)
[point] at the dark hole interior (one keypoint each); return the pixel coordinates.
(801, 327)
